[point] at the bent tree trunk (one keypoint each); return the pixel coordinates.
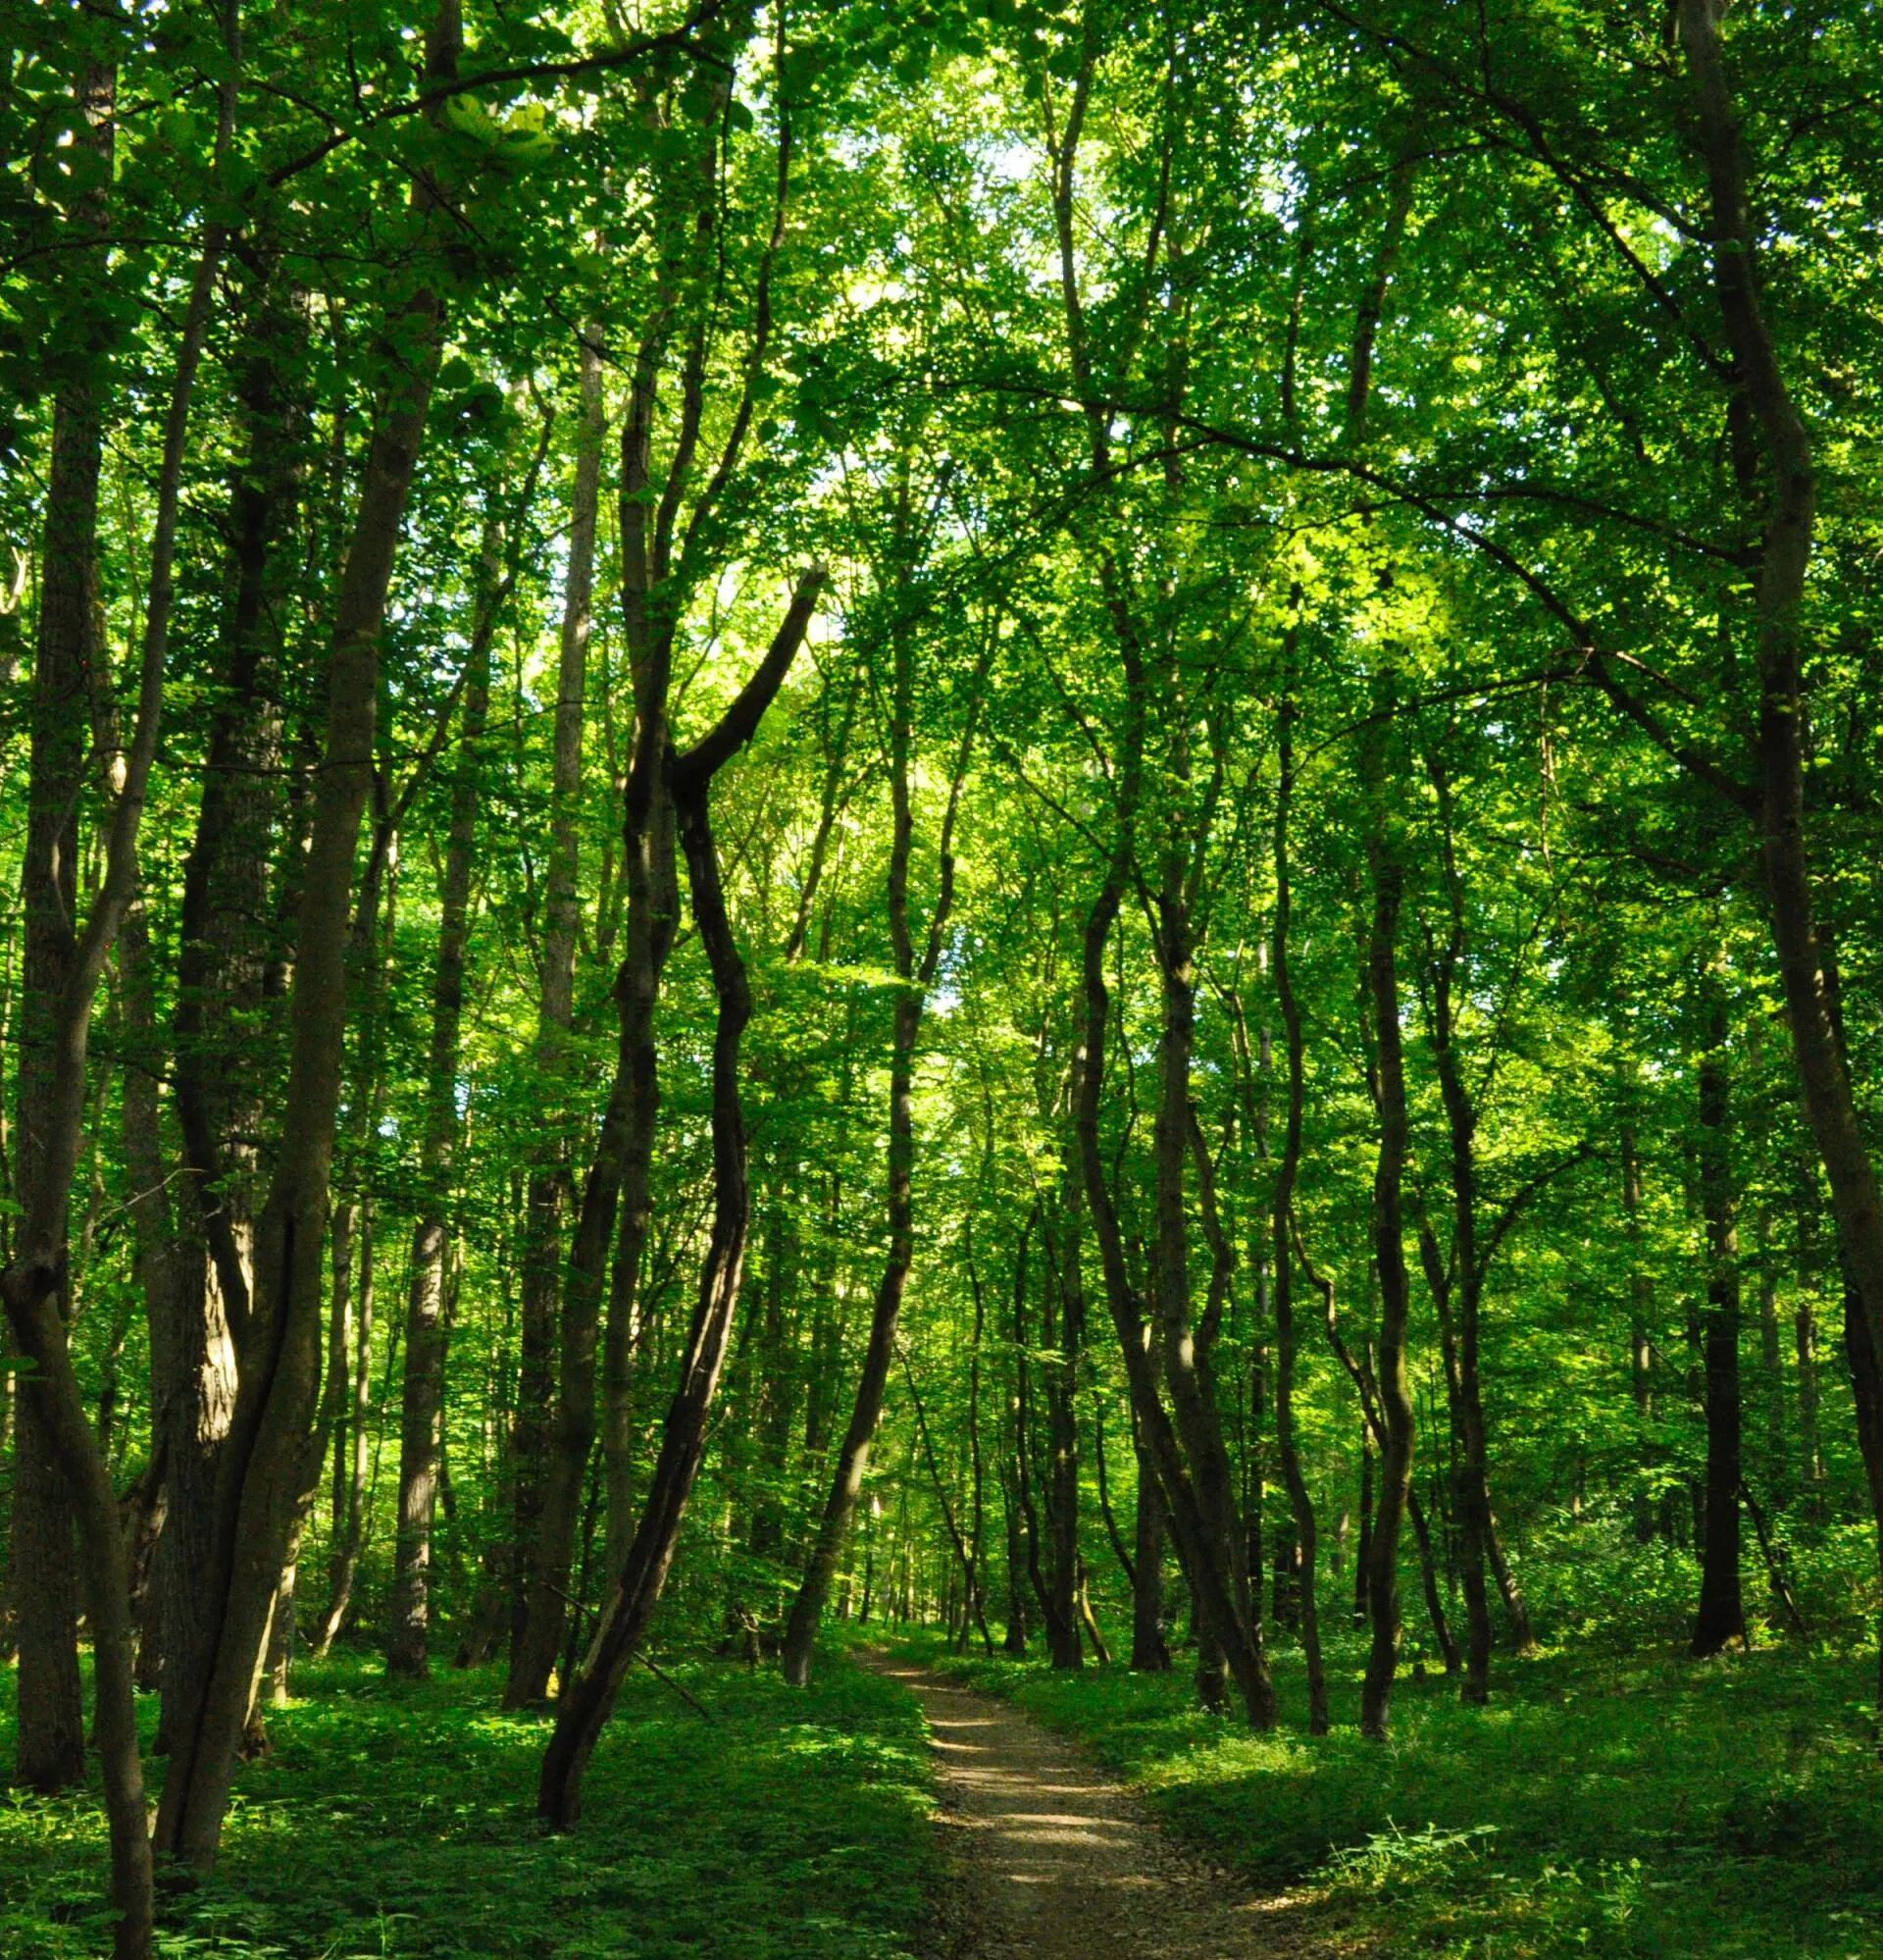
(583, 1707)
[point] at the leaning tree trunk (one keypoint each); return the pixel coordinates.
(1830, 1105)
(914, 981)
(586, 1703)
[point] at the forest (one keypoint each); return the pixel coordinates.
(1007, 855)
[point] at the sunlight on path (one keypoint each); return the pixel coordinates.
(1058, 1862)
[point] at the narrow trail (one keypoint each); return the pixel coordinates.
(1051, 1859)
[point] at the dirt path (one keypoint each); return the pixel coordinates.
(1053, 1860)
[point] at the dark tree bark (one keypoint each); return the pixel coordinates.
(1721, 1620)
(50, 1744)
(584, 1706)
(1149, 1651)
(1784, 557)
(278, 1340)
(51, 1099)
(548, 1187)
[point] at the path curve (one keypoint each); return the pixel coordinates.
(1051, 1859)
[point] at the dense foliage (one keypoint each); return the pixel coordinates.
(1057, 821)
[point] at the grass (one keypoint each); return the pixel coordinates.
(1643, 1808)
(395, 1822)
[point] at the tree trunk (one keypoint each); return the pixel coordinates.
(1721, 1620)
(1287, 1445)
(1389, 1255)
(1149, 1651)
(915, 979)
(422, 1406)
(1784, 559)
(279, 1348)
(584, 1705)
(546, 1478)
(50, 1744)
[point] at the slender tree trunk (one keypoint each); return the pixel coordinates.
(915, 979)
(1641, 1353)
(53, 1075)
(1149, 1651)
(50, 1742)
(584, 1706)
(422, 1406)
(352, 1225)
(1287, 1447)
(547, 1494)
(1389, 1255)
(1721, 1620)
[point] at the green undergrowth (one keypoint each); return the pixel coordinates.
(1626, 1808)
(397, 1823)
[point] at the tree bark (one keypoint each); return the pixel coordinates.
(914, 979)
(1720, 1622)
(1389, 1258)
(421, 1401)
(544, 1536)
(279, 1347)
(1288, 1169)
(1779, 747)
(686, 782)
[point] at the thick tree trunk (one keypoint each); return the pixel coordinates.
(279, 1346)
(1784, 558)
(1721, 1620)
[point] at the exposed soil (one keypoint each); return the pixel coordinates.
(1048, 1858)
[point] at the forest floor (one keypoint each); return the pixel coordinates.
(1606, 1805)
(1047, 1857)
(393, 1820)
